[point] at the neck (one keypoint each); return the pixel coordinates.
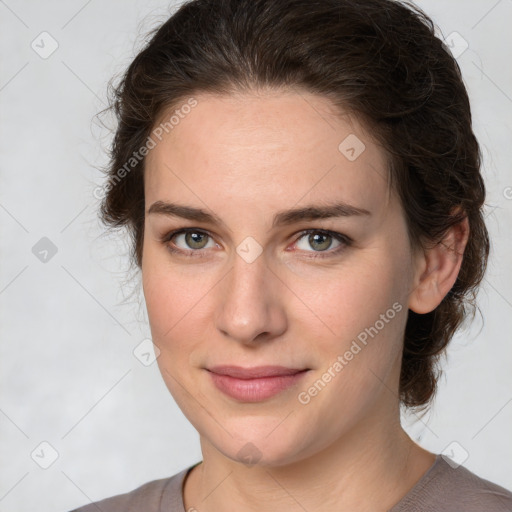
(369, 469)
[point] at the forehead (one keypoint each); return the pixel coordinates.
(265, 149)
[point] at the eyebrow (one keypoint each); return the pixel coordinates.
(282, 218)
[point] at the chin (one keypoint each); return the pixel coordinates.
(257, 442)
(250, 455)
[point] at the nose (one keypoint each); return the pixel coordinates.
(250, 308)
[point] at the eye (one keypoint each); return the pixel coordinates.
(321, 241)
(187, 241)
(191, 241)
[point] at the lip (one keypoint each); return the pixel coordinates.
(254, 384)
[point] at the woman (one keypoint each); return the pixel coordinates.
(302, 186)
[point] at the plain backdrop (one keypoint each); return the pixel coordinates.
(69, 325)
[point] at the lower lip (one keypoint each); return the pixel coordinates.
(255, 390)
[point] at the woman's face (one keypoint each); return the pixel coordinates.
(248, 286)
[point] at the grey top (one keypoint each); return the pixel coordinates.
(441, 489)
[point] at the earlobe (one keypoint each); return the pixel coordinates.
(438, 268)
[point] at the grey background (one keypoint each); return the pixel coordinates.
(69, 325)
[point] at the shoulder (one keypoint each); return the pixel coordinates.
(473, 491)
(453, 489)
(152, 496)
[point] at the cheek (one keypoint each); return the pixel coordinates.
(170, 294)
(341, 302)
(170, 312)
(179, 311)
(357, 329)
(161, 303)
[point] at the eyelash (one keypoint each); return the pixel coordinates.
(198, 253)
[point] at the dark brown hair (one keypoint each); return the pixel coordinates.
(377, 59)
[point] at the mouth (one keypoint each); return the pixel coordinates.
(254, 384)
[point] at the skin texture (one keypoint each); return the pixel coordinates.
(244, 158)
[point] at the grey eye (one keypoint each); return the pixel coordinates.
(318, 241)
(192, 239)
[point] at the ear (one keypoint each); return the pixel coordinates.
(437, 269)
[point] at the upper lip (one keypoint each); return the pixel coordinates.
(254, 372)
